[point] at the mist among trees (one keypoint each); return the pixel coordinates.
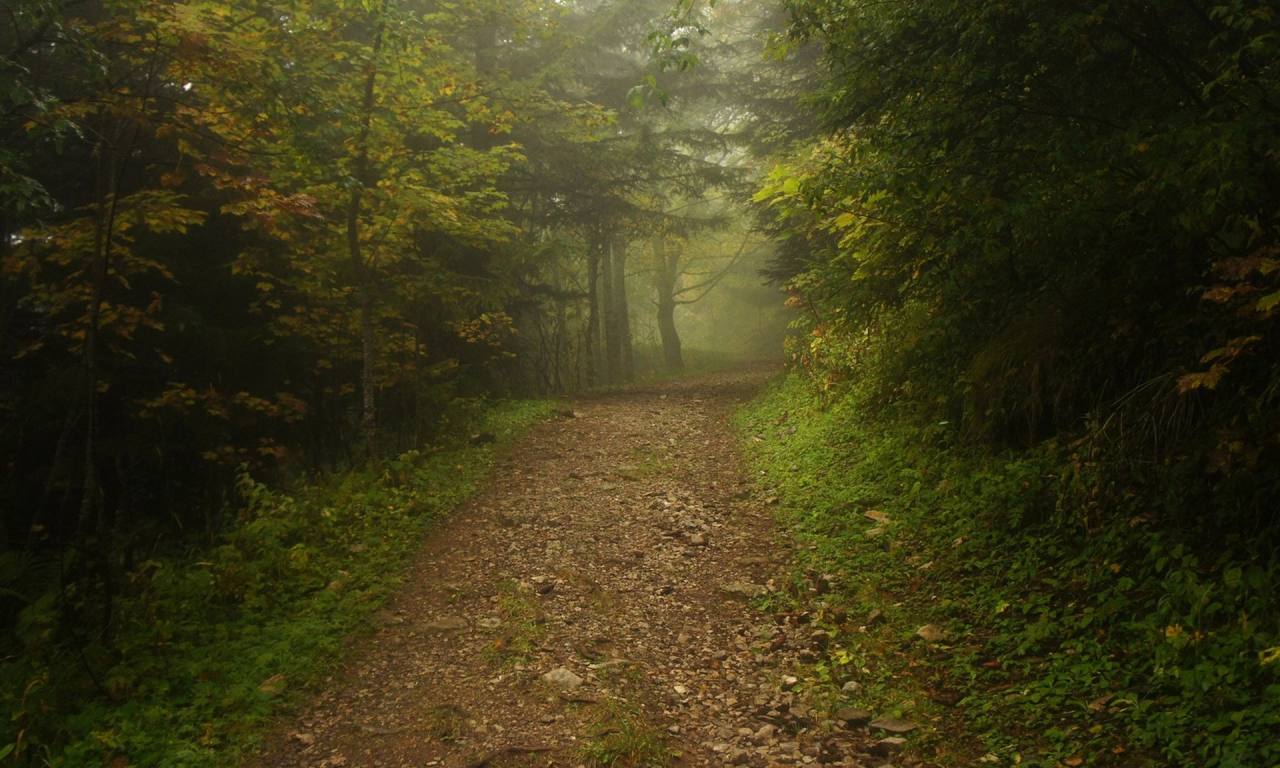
(251, 247)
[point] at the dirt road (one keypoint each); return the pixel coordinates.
(592, 604)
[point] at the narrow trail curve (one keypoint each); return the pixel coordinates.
(617, 545)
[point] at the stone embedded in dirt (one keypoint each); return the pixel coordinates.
(274, 685)
(853, 716)
(764, 735)
(386, 617)
(698, 539)
(305, 739)
(931, 633)
(820, 640)
(562, 678)
(887, 746)
(875, 617)
(876, 515)
(893, 725)
(853, 686)
(739, 756)
(446, 624)
(833, 751)
(742, 589)
(753, 560)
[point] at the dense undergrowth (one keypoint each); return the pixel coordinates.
(1095, 612)
(204, 645)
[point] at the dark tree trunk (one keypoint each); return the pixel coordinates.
(666, 276)
(365, 270)
(98, 271)
(591, 344)
(612, 352)
(670, 338)
(486, 42)
(622, 315)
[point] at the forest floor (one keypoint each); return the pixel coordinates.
(598, 604)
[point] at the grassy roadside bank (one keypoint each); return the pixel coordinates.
(977, 596)
(206, 646)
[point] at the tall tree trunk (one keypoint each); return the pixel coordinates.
(365, 269)
(90, 359)
(622, 315)
(612, 353)
(666, 273)
(591, 345)
(486, 42)
(671, 356)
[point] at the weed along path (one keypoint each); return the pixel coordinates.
(593, 606)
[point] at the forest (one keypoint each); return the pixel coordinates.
(280, 280)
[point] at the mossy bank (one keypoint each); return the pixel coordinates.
(980, 594)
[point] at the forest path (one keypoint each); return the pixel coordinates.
(616, 550)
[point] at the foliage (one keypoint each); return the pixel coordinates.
(1032, 200)
(207, 643)
(1072, 638)
(1033, 253)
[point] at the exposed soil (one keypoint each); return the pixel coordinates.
(620, 544)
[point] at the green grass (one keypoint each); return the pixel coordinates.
(623, 738)
(207, 647)
(523, 625)
(1117, 642)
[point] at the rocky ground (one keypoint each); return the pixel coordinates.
(594, 605)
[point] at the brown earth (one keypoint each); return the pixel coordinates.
(617, 548)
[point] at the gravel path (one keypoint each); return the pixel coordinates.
(593, 602)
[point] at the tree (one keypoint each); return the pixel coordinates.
(401, 164)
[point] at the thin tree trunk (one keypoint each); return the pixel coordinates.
(670, 338)
(365, 271)
(612, 353)
(666, 273)
(591, 344)
(486, 42)
(622, 315)
(98, 270)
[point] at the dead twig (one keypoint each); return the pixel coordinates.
(578, 699)
(481, 762)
